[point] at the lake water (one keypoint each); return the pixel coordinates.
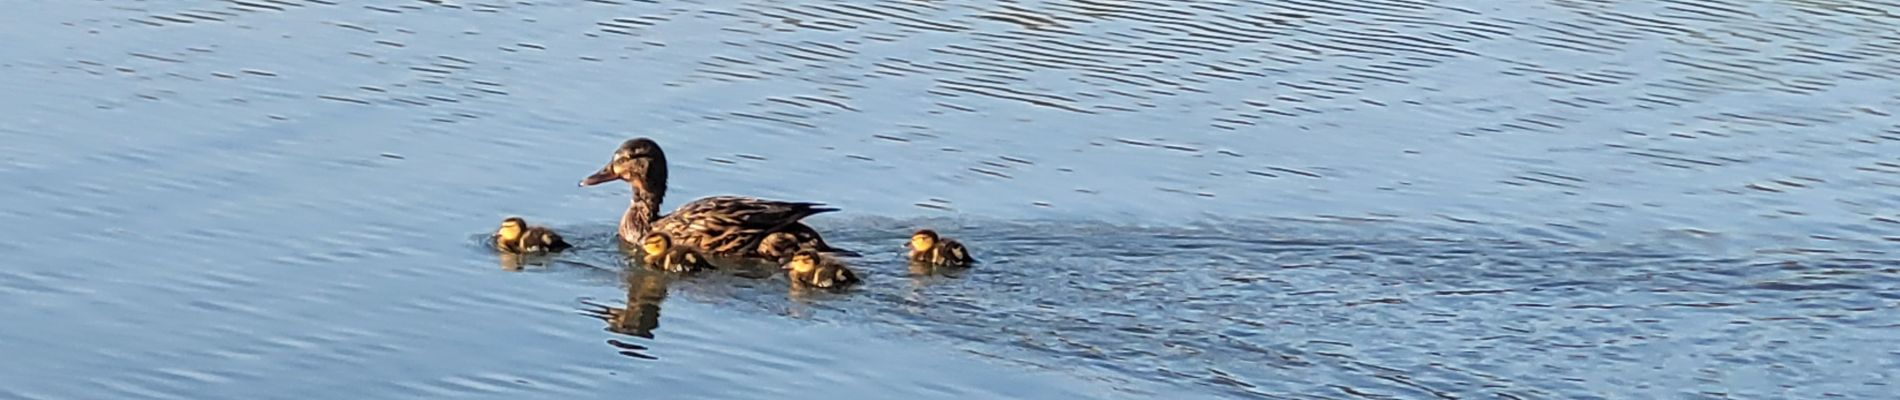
(263, 199)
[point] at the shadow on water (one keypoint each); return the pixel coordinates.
(1233, 309)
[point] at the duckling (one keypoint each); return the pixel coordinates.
(928, 248)
(515, 236)
(808, 268)
(662, 254)
(778, 246)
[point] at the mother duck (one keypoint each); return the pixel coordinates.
(732, 226)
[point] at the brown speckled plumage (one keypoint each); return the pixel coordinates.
(720, 225)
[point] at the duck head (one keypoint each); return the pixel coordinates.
(803, 262)
(656, 243)
(638, 161)
(922, 240)
(511, 229)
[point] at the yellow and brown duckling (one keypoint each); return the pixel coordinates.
(928, 248)
(662, 254)
(515, 236)
(810, 269)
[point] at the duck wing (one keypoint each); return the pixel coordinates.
(846, 277)
(733, 224)
(957, 254)
(553, 241)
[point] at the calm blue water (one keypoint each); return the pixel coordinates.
(281, 199)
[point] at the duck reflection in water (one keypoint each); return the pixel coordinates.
(922, 276)
(513, 262)
(920, 272)
(641, 315)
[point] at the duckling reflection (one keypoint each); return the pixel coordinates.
(929, 249)
(920, 271)
(515, 262)
(641, 316)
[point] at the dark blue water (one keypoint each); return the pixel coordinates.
(279, 199)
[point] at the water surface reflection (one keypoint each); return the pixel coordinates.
(1386, 316)
(640, 315)
(1256, 199)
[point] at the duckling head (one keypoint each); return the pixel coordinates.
(511, 228)
(804, 261)
(923, 240)
(656, 243)
(638, 161)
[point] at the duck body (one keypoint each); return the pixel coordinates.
(926, 247)
(516, 236)
(806, 268)
(727, 226)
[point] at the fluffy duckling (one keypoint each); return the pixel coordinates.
(928, 248)
(515, 236)
(778, 246)
(662, 254)
(808, 268)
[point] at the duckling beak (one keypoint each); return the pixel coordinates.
(605, 175)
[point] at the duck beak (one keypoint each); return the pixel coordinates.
(605, 175)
